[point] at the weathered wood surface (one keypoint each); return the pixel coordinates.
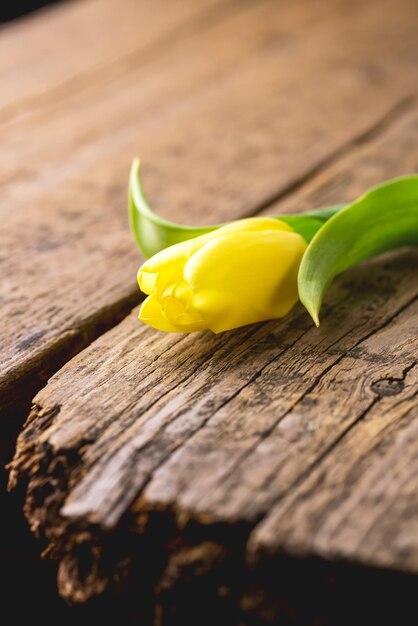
(71, 47)
(231, 429)
(170, 465)
(65, 168)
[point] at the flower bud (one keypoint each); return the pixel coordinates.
(241, 273)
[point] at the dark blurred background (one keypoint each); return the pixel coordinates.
(15, 8)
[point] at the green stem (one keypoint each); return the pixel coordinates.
(308, 224)
(153, 233)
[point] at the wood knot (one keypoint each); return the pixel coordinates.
(387, 386)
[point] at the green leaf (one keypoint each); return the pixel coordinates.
(384, 218)
(307, 224)
(153, 233)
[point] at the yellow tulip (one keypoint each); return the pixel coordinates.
(241, 273)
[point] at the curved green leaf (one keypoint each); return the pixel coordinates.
(384, 218)
(153, 233)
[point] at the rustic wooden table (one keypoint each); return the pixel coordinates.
(265, 475)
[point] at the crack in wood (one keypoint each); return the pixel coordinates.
(244, 442)
(309, 390)
(84, 529)
(18, 390)
(76, 345)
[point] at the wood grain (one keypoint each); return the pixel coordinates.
(67, 47)
(364, 501)
(211, 456)
(227, 469)
(208, 112)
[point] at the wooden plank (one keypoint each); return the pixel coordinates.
(59, 205)
(130, 104)
(185, 442)
(26, 144)
(67, 47)
(360, 501)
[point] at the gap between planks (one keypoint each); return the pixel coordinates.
(37, 338)
(105, 319)
(391, 136)
(143, 505)
(232, 202)
(309, 182)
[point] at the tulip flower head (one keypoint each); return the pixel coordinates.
(241, 273)
(223, 277)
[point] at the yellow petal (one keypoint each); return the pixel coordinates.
(175, 255)
(241, 273)
(153, 314)
(252, 224)
(150, 313)
(243, 277)
(179, 253)
(147, 281)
